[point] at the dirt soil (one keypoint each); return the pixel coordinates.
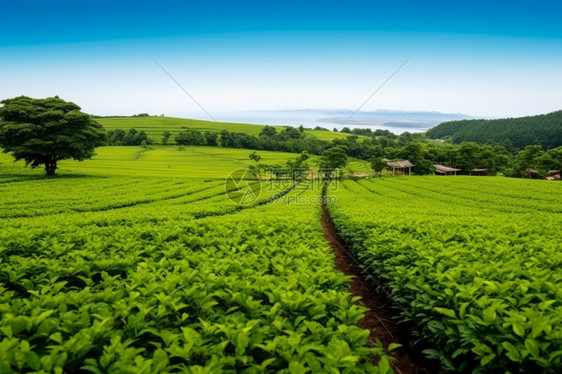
(378, 318)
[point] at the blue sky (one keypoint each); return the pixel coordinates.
(494, 58)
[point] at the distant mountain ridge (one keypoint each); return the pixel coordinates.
(420, 120)
(544, 129)
(396, 118)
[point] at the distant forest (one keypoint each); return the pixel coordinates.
(373, 147)
(498, 157)
(545, 130)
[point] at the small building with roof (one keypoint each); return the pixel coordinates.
(532, 173)
(445, 170)
(400, 166)
(553, 175)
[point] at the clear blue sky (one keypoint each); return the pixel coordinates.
(484, 58)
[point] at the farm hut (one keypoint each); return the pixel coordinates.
(479, 172)
(445, 170)
(532, 173)
(400, 166)
(553, 175)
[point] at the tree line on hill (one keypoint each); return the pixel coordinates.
(131, 137)
(45, 131)
(383, 144)
(373, 147)
(544, 130)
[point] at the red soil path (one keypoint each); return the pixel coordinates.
(378, 318)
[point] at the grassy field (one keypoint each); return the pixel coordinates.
(192, 162)
(169, 161)
(155, 126)
(329, 135)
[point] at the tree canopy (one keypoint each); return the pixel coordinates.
(544, 129)
(131, 137)
(333, 158)
(45, 131)
(378, 165)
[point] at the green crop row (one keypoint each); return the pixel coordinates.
(106, 200)
(473, 264)
(151, 288)
(69, 195)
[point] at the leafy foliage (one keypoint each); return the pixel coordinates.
(45, 131)
(378, 165)
(533, 157)
(171, 283)
(165, 137)
(473, 264)
(544, 130)
(131, 137)
(190, 137)
(363, 144)
(333, 158)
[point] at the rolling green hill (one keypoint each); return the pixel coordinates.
(155, 126)
(545, 129)
(167, 161)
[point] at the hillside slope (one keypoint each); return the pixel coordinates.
(154, 127)
(545, 129)
(161, 161)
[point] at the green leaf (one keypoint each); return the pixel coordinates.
(462, 309)
(242, 342)
(7, 331)
(512, 352)
(545, 304)
(458, 352)
(445, 311)
(56, 337)
(485, 360)
(32, 360)
(296, 367)
(159, 360)
(19, 324)
(532, 346)
(191, 337)
(384, 365)
(43, 316)
(519, 329)
(481, 348)
(92, 369)
(435, 326)
(489, 314)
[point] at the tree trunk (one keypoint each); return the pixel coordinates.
(50, 167)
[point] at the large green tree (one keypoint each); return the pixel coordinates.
(528, 159)
(45, 131)
(467, 156)
(332, 159)
(418, 154)
(378, 165)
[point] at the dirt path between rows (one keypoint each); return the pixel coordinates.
(378, 318)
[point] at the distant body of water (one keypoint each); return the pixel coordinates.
(313, 119)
